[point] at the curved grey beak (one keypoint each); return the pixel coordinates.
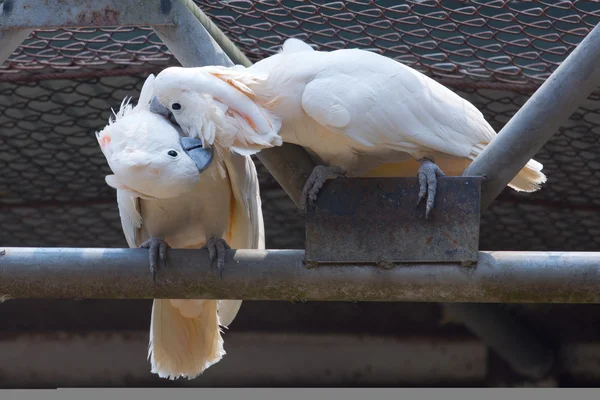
(157, 108)
(202, 156)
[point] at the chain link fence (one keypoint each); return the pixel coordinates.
(57, 89)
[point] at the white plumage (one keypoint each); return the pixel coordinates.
(184, 210)
(354, 109)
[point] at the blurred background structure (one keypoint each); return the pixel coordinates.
(57, 90)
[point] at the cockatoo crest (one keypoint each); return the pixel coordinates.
(143, 103)
(147, 154)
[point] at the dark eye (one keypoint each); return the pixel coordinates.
(176, 106)
(173, 153)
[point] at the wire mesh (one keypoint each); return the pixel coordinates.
(507, 41)
(57, 88)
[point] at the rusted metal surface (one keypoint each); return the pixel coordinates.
(375, 220)
(498, 277)
(83, 13)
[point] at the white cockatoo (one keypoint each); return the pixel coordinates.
(174, 192)
(359, 114)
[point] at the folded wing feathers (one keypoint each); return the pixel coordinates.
(236, 77)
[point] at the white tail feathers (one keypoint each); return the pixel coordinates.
(528, 180)
(185, 337)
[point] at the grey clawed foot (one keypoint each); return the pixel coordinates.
(315, 182)
(216, 250)
(158, 250)
(428, 173)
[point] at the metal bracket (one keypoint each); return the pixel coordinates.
(375, 220)
(36, 14)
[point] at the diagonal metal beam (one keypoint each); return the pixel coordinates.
(526, 356)
(189, 42)
(10, 40)
(539, 118)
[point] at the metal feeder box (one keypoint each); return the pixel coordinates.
(376, 220)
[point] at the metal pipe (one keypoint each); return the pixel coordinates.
(112, 358)
(291, 167)
(509, 277)
(193, 46)
(521, 349)
(220, 38)
(539, 118)
(189, 41)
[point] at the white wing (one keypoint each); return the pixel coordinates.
(131, 219)
(376, 101)
(247, 226)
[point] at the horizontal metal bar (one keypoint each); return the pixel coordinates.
(117, 359)
(539, 118)
(36, 14)
(511, 277)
